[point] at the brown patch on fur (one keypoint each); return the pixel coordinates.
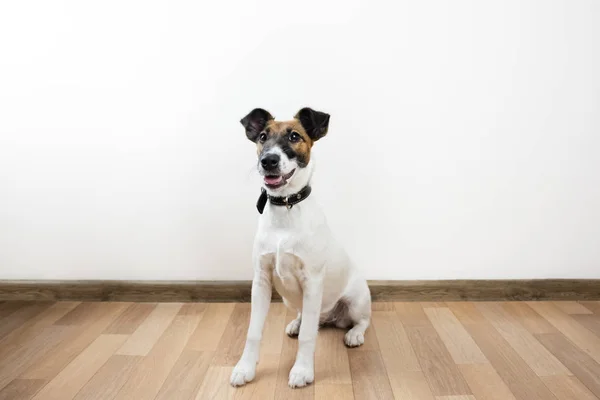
(279, 131)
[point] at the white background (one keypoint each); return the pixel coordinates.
(464, 138)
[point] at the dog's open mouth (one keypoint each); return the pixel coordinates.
(276, 181)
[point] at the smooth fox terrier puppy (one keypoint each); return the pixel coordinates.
(294, 249)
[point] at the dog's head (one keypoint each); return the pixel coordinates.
(284, 146)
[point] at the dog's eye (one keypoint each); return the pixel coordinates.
(295, 137)
(262, 138)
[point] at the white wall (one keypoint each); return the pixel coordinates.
(467, 131)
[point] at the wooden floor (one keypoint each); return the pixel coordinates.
(442, 351)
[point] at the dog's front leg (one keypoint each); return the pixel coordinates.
(303, 371)
(245, 369)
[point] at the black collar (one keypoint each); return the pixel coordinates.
(287, 201)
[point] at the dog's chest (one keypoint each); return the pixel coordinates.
(300, 231)
(288, 277)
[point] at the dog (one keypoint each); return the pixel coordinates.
(295, 251)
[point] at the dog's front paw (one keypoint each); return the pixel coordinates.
(301, 376)
(354, 338)
(293, 328)
(242, 374)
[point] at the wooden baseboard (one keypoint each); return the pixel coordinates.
(239, 291)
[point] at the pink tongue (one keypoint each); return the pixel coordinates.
(273, 180)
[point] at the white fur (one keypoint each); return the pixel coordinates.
(295, 251)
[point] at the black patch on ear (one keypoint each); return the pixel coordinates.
(255, 122)
(315, 123)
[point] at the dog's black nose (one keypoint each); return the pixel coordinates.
(269, 162)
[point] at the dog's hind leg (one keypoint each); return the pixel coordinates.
(293, 328)
(359, 311)
(356, 336)
(338, 316)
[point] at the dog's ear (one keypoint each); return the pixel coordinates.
(315, 123)
(255, 122)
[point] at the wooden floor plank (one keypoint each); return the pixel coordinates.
(485, 382)
(466, 312)
(331, 391)
(433, 304)
(394, 343)
(572, 307)
(369, 376)
(80, 314)
(29, 354)
(9, 307)
(81, 337)
(413, 351)
(21, 316)
(75, 375)
(408, 385)
(532, 321)
(569, 327)
(516, 374)
(211, 327)
(541, 361)
(149, 375)
(187, 375)
(383, 306)
(590, 322)
(145, 336)
(568, 388)
(21, 389)
(130, 319)
(31, 328)
(411, 314)
(215, 385)
(459, 343)
(192, 309)
(232, 342)
(332, 365)
(437, 365)
(578, 362)
(109, 379)
(593, 306)
(404, 372)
